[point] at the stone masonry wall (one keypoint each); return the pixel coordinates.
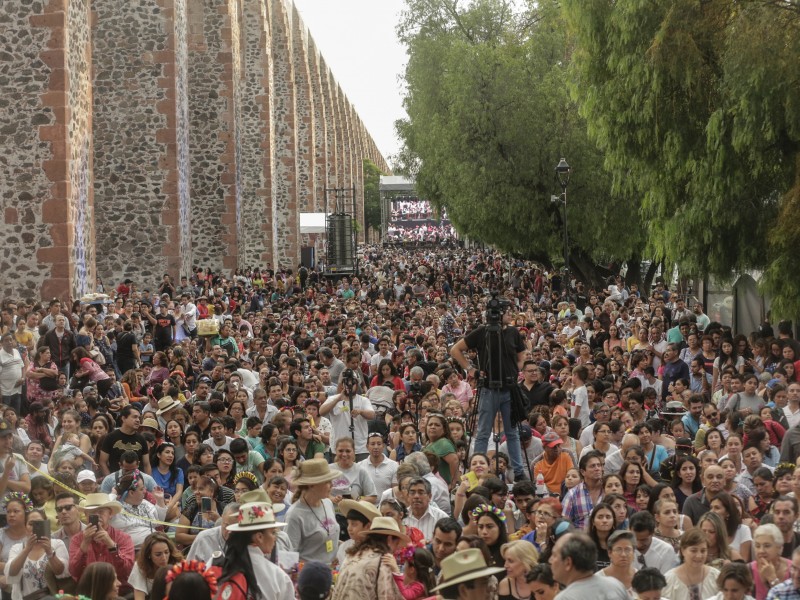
(135, 140)
(25, 33)
(148, 136)
(285, 202)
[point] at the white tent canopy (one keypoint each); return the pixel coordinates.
(312, 222)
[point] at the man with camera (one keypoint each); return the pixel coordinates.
(501, 351)
(350, 413)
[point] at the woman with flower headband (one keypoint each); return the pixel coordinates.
(244, 482)
(17, 506)
(491, 524)
(157, 551)
(29, 561)
(138, 515)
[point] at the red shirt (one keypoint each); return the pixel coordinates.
(121, 560)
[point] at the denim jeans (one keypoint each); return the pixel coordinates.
(15, 402)
(490, 402)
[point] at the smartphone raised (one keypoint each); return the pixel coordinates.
(205, 504)
(41, 529)
(94, 520)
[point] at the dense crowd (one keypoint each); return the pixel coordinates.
(420, 233)
(268, 434)
(411, 209)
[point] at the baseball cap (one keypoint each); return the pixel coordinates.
(86, 475)
(525, 432)
(551, 439)
(5, 428)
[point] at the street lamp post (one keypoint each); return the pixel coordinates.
(563, 171)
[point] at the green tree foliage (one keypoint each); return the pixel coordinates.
(696, 107)
(490, 115)
(372, 196)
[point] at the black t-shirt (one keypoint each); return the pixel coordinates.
(125, 343)
(789, 547)
(162, 332)
(512, 344)
(118, 442)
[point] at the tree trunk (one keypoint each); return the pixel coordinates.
(648, 278)
(634, 274)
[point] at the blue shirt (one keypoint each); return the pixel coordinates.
(167, 482)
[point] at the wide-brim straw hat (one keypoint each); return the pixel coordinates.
(260, 495)
(100, 500)
(255, 516)
(166, 404)
(464, 565)
(314, 471)
(385, 526)
(367, 509)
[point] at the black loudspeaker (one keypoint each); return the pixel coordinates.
(340, 241)
(308, 257)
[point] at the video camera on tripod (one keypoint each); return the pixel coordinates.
(495, 308)
(350, 382)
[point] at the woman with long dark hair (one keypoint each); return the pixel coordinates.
(686, 479)
(165, 469)
(246, 566)
(491, 524)
(157, 551)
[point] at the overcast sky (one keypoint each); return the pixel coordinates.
(358, 40)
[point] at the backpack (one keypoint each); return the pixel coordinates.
(234, 588)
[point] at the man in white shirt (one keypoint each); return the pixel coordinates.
(651, 551)
(348, 409)
(579, 404)
(382, 354)
(792, 409)
(380, 468)
(188, 314)
(422, 514)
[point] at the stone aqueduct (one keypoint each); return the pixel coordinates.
(141, 137)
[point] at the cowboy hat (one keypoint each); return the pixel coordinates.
(166, 404)
(464, 565)
(255, 516)
(386, 526)
(361, 506)
(100, 500)
(314, 471)
(260, 495)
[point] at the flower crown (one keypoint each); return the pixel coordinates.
(482, 509)
(61, 595)
(456, 420)
(786, 465)
(19, 496)
(407, 554)
(195, 566)
(245, 475)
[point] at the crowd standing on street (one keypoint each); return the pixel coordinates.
(282, 434)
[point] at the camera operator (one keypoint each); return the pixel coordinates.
(350, 413)
(499, 376)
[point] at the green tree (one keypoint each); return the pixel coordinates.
(696, 107)
(489, 116)
(372, 196)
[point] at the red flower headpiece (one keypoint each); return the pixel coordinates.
(196, 566)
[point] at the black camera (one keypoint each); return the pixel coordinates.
(495, 308)
(349, 379)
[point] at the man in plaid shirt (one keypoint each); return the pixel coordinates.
(580, 500)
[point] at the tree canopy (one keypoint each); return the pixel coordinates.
(695, 107)
(490, 115)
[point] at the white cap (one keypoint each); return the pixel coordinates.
(86, 475)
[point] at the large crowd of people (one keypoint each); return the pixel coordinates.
(428, 232)
(262, 434)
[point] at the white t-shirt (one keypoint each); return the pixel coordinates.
(743, 535)
(11, 367)
(580, 399)
(340, 421)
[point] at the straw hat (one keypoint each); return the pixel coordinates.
(260, 495)
(386, 526)
(464, 565)
(166, 404)
(314, 471)
(100, 500)
(151, 423)
(365, 508)
(255, 516)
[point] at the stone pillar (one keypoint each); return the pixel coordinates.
(212, 27)
(140, 140)
(46, 202)
(258, 137)
(284, 204)
(304, 106)
(331, 146)
(321, 169)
